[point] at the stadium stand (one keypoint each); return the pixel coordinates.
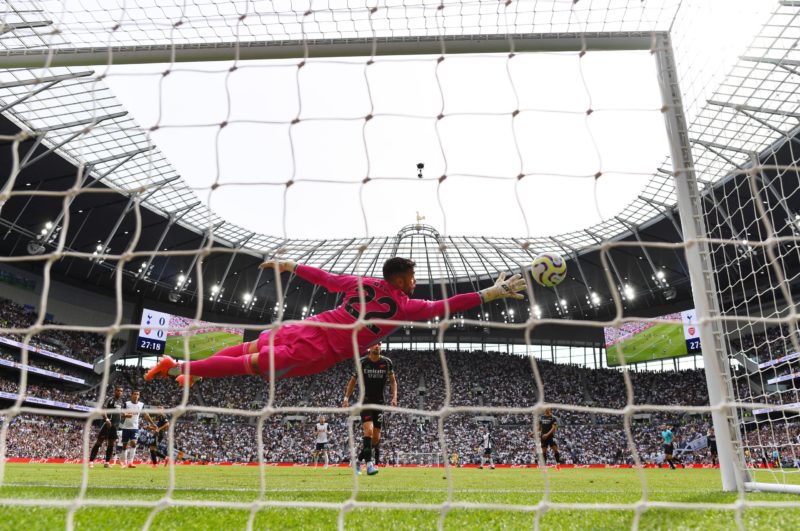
(477, 378)
(765, 346)
(484, 378)
(81, 346)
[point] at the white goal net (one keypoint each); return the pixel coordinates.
(156, 153)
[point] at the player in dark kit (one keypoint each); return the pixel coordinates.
(162, 425)
(547, 427)
(108, 431)
(712, 446)
(377, 370)
(155, 439)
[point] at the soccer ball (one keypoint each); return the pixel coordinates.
(548, 269)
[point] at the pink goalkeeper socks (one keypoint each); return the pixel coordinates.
(233, 351)
(219, 366)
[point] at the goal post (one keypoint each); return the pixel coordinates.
(704, 292)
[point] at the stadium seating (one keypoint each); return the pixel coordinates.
(477, 378)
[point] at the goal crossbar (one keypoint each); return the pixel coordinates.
(322, 48)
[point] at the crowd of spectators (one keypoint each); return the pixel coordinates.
(83, 346)
(13, 355)
(760, 443)
(47, 392)
(494, 381)
(770, 344)
(489, 380)
(773, 349)
(406, 442)
(768, 397)
(44, 437)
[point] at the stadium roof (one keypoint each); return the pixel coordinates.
(70, 110)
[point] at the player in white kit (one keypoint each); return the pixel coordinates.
(322, 430)
(487, 444)
(130, 428)
(119, 450)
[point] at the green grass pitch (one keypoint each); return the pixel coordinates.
(201, 346)
(416, 486)
(662, 340)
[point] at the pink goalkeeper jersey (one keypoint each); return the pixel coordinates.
(383, 301)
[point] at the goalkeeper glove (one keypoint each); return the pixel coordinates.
(504, 288)
(282, 265)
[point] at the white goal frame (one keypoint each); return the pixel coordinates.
(718, 372)
(722, 402)
(698, 261)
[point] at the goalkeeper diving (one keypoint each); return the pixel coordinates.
(301, 349)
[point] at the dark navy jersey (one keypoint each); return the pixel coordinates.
(376, 374)
(118, 404)
(546, 422)
(160, 420)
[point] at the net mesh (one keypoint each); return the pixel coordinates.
(740, 112)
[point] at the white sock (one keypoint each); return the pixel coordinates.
(326, 459)
(483, 460)
(491, 461)
(316, 459)
(130, 454)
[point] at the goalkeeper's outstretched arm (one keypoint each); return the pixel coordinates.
(329, 281)
(420, 310)
(413, 309)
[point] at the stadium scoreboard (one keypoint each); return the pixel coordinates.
(152, 332)
(691, 332)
